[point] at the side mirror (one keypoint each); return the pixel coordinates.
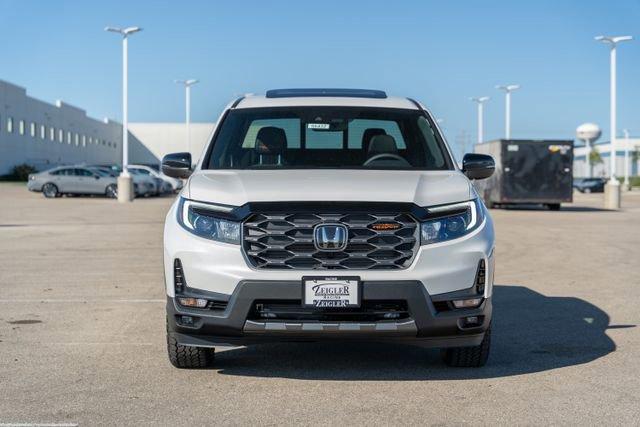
(478, 166)
(177, 165)
(96, 176)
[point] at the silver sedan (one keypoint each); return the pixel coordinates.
(73, 180)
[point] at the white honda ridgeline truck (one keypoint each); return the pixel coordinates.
(328, 214)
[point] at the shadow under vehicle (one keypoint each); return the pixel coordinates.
(560, 332)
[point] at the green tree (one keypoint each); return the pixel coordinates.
(595, 157)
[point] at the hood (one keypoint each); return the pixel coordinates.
(237, 187)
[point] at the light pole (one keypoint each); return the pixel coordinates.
(507, 107)
(626, 158)
(480, 101)
(612, 198)
(125, 183)
(187, 88)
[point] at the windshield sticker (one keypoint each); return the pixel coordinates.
(323, 126)
(512, 147)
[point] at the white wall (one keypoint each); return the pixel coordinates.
(602, 169)
(97, 141)
(149, 142)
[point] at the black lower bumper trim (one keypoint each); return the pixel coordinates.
(425, 326)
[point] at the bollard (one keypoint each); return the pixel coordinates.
(612, 195)
(125, 189)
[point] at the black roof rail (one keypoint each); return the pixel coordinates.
(312, 92)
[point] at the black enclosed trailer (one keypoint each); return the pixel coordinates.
(528, 171)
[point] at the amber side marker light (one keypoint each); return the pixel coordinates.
(192, 302)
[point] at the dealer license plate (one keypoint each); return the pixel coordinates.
(331, 292)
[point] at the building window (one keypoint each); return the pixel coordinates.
(68, 137)
(33, 129)
(52, 133)
(21, 127)
(10, 124)
(77, 139)
(43, 132)
(60, 135)
(84, 140)
(90, 140)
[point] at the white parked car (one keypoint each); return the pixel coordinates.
(328, 214)
(166, 183)
(76, 180)
(144, 186)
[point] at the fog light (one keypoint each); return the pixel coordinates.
(192, 302)
(186, 320)
(472, 321)
(467, 303)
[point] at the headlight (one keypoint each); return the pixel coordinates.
(451, 221)
(201, 220)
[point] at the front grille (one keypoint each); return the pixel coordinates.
(285, 241)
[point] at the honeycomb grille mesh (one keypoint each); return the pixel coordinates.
(285, 241)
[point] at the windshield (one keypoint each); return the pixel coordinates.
(327, 137)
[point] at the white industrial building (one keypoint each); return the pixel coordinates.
(604, 149)
(151, 141)
(45, 135)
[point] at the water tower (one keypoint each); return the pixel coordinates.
(589, 133)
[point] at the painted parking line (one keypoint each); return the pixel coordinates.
(38, 425)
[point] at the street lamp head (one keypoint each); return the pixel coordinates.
(613, 40)
(481, 99)
(187, 83)
(123, 31)
(508, 88)
(131, 30)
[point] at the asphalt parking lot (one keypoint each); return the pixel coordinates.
(82, 331)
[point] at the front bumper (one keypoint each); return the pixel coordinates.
(233, 324)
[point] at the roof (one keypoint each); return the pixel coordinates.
(261, 101)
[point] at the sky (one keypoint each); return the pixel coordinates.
(439, 52)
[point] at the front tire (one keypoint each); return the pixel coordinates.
(111, 191)
(469, 357)
(186, 357)
(50, 190)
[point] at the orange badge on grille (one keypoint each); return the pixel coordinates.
(382, 226)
